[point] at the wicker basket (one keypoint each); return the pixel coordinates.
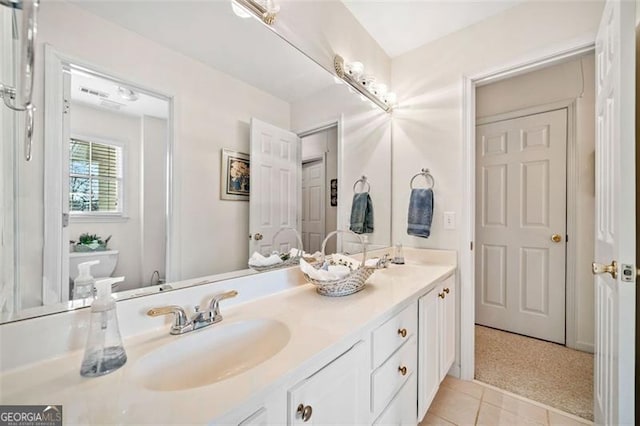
(352, 283)
(291, 261)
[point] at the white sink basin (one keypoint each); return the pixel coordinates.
(210, 355)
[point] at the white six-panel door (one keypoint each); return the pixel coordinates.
(313, 195)
(275, 187)
(521, 225)
(615, 216)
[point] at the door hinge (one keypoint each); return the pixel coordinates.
(65, 220)
(471, 245)
(66, 106)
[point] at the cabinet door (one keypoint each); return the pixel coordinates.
(447, 325)
(428, 350)
(333, 395)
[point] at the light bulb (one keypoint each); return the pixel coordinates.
(354, 69)
(380, 89)
(239, 10)
(368, 81)
(391, 98)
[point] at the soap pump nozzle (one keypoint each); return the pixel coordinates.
(84, 282)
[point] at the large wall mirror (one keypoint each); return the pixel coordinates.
(174, 140)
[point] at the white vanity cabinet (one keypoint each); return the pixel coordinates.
(436, 352)
(336, 394)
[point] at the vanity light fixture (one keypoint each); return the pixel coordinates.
(353, 74)
(265, 10)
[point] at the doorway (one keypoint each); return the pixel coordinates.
(534, 186)
(319, 176)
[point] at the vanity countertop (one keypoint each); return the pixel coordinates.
(319, 327)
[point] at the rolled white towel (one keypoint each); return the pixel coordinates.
(257, 259)
(334, 272)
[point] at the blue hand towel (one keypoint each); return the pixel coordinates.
(420, 212)
(361, 214)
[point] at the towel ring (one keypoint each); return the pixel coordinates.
(364, 181)
(427, 176)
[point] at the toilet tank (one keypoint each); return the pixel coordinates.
(108, 261)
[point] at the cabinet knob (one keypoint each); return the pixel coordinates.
(446, 290)
(441, 295)
(403, 370)
(402, 332)
(304, 412)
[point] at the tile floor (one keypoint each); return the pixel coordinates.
(472, 403)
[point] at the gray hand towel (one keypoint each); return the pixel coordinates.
(361, 214)
(420, 212)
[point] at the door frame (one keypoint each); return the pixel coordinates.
(528, 63)
(322, 159)
(55, 249)
(572, 172)
(319, 127)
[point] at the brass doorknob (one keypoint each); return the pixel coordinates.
(599, 268)
(441, 295)
(403, 370)
(446, 290)
(304, 412)
(257, 236)
(556, 238)
(402, 332)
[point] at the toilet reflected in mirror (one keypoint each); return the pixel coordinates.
(108, 260)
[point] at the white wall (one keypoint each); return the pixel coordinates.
(154, 203)
(366, 150)
(568, 80)
(87, 121)
(427, 126)
(211, 111)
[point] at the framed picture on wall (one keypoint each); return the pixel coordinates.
(234, 176)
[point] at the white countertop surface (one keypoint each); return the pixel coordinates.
(318, 326)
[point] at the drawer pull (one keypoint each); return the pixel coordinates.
(304, 412)
(441, 295)
(402, 332)
(446, 290)
(403, 370)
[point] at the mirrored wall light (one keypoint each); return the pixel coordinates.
(265, 10)
(353, 73)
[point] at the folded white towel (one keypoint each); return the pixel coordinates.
(332, 273)
(257, 259)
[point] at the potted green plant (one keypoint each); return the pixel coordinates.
(91, 242)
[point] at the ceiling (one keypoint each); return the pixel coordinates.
(410, 24)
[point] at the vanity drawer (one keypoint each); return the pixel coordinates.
(390, 376)
(389, 336)
(402, 409)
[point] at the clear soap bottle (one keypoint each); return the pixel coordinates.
(104, 352)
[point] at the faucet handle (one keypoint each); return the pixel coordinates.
(214, 304)
(180, 316)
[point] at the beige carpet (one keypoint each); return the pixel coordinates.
(545, 372)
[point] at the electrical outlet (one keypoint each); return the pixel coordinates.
(449, 220)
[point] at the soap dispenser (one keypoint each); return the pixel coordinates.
(104, 352)
(84, 282)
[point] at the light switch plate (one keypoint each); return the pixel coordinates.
(449, 220)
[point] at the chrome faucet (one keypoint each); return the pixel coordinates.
(199, 319)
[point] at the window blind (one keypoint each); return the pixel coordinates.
(95, 177)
